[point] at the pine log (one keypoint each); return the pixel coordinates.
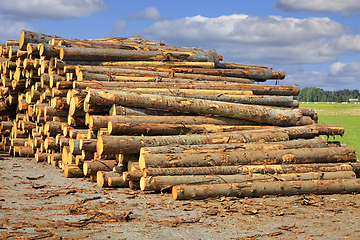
(41, 157)
(151, 129)
(103, 176)
(99, 54)
(88, 144)
(256, 189)
(132, 144)
(245, 157)
(75, 146)
(97, 122)
(228, 147)
(132, 175)
(26, 151)
(257, 113)
(251, 169)
(92, 167)
(33, 37)
(244, 97)
(117, 182)
(73, 171)
(157, 183)
(126, 111)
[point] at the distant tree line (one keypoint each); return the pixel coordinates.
(313, 94)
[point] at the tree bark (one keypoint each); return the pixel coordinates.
(157, 183)
(257, 189)
(228, 147)
(251, 169)
(257, 89)
(33, 37)
(103, 54)
(102, 178)
(132, 144)
(73, 171)
(92, 167)
(260, 114)
(245, 157)
(97, 122)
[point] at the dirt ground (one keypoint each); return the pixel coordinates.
(38, 202)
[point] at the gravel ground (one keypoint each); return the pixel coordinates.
(38, 202)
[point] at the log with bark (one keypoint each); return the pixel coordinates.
(251, 169)
(245, 157)
(256, 189)
(259, 114)
(132, 144)
(157, 183)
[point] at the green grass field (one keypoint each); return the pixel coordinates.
(344, 115)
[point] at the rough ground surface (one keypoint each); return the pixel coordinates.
(38, 202)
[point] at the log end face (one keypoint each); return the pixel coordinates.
(100, 179)
(22, 39)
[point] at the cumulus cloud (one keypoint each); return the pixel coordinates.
(339, 76)
(24, 10)
(344, 7)
(118, 28)
(249, 39)
(13, 32)
(149, 13)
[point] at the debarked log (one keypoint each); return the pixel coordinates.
(156, 183)
(132, 144)
(256, 189)
(245, 157)
(256, 113)
(251, 169)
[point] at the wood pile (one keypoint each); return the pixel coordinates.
(127, 112)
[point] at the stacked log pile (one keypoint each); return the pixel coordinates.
(126, 112)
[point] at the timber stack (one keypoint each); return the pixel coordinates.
(127, 112)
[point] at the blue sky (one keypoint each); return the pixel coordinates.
(316, 42)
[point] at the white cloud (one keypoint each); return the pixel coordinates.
(49, 9)
(249, 39)
(149, 13)
(339, 76)
(10, 30)
(345, 7)
(118, 28)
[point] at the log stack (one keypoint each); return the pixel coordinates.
(128, 112)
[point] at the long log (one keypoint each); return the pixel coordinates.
(244, 97)
(251, 169)
(157, 183)
(260, 114)
(98, 121)
(132, 144)
(110, 70)
(228, 147)
(245, 157)
(103, 54)
(126, 111)
(256, 189)
(258, 89)
(150, 129)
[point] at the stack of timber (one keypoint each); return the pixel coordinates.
(128, 112)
